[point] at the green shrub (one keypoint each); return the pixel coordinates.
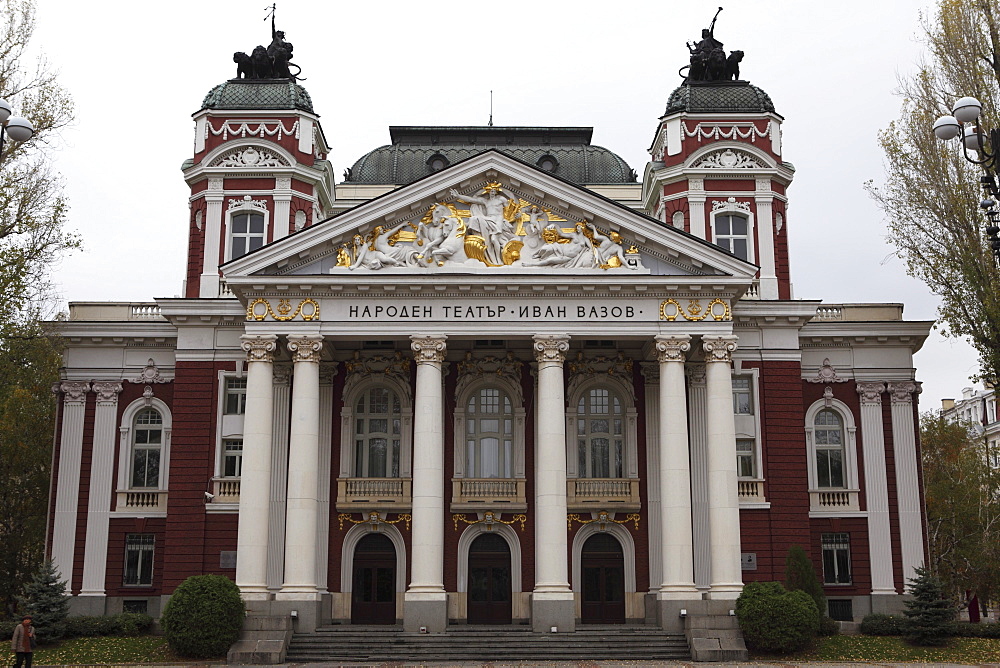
(883, 625)
(929, 612)
(132, 623)
(86, 626)
(775, 620)
(828, 627)
(967, 630)
(204, 616)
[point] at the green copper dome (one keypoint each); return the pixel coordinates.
(734, 97)
(258, 94)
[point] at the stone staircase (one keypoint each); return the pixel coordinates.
(486, 643)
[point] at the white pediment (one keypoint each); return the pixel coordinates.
(490, 214)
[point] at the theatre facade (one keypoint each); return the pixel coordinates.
(492, 376)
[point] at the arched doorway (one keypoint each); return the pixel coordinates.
(489, 591)
(602, 571)
(373, 591)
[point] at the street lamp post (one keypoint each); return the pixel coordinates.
(17, 128)
(965, 121)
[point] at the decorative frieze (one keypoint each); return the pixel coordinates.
(728, 159)
(248, 202)
(827, 374)
(250, 156)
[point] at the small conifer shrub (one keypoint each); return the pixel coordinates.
(928, 614)
(44, 598)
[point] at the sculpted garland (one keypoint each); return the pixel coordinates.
(497, 231)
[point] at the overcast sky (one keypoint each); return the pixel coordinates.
(137, 71)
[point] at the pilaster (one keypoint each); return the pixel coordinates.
(876, 488)
(651, 375)
(68, 490)
(209, 284)
(904, 440)
(280, 425)
(698, 435)
(101, 488)
(764, 200)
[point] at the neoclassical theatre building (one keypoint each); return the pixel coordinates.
(492, 376)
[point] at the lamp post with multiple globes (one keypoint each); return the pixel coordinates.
(17, 128)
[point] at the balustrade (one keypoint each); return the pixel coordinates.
(373, 493)
(589, 493)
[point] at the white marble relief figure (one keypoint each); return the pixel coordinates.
(381, 253)
(577, 253)
(608, 249)
(449, 237)
(488, 220)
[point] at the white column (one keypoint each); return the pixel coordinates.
(651, 375)
(280, 424)
(552, 598)
(326, 375)
(675, 475)
(68, 489)
(255, 478)
(904, 439)
(697, 434)
(723, 500)
(99, 497)
(425, 601)
(209, 284)
(765, 239)
(876, 488)
(696, 200)
(302, 507)
(282, 206)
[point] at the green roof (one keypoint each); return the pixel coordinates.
(258, 94)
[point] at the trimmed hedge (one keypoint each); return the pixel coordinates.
(981, 630)
(884, 625)
(775, 620)
(204, 616)
(124, 624)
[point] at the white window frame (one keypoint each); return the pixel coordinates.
(822, 547)
(514, 393)
(152, 561)
(245, 206)
(125, 428)
(747, 426)
(630, 465)
(850, 444)
(229, 426)
(730, 209)
(405, 427)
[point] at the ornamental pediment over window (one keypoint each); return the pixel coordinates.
(250, 156)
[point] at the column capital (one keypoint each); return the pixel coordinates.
(902, 392)
(696, 373)
(671, 348)
(282, 375)
(551, 347)
(305, 347)
(650, 371)
(428, 349)
(719, 348)
(107, 391)
(74, 391)
(871, 393)
(259, 347)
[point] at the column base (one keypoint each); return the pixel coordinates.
(725, 592)
(553, 609)
(255, 594)
(678, 593)
(93, 605)
(290, 594)
(425, 612)
(668, 612)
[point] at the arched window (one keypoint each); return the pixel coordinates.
(489, 434)
(600, 431)
(828, 432)
(147, 445)
(377, 434)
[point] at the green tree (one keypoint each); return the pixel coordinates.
(204, 616)
(928, 612)
(931, 194)
(801, 576)
(32, 237)
(963, 511)
(45, 599)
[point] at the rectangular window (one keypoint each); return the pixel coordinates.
(139, 559)
(232, 457)
(742, 395)
(836, 558)
(236, 396)
(746, 461)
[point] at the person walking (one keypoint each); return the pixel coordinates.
(23, 642)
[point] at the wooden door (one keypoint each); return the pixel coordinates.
(373, 597)
(602, 569)
(489, 585)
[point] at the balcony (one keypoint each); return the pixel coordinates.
(365, 494)
(751, 491)
(226, 490)
(487, 494)
(834, 501)
(612, 494)
(141, 501)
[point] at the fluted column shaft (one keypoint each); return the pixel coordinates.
(255, 476)
(904, 439)
(876, 487)
(723, 498)
(427, 571)
(675, 473)
(99, 498)
(303, 469)
(63, 539)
